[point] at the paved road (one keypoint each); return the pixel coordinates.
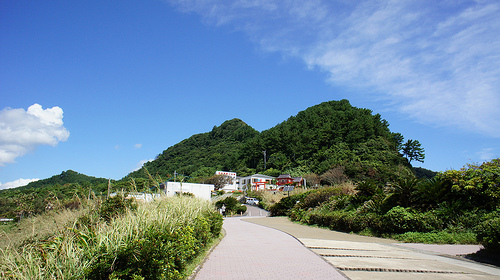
(275, 248)
(251, 251)
(362, 257)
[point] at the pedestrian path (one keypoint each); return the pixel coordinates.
(362, 257)
(251, 251)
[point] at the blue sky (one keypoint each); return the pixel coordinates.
(101, 86)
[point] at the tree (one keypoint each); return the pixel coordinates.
(412, 150)
(478, 185)
(335, 175)
(312, 179)
(219, 181)
(398, 141)
(404, 191)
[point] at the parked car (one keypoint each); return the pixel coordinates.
(252, 201)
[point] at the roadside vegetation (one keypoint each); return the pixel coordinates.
(114, 239)
(456, 206)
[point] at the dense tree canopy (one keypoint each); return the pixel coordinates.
(202, 154)
(318, 139)
(326, 136)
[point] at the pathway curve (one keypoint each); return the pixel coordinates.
(362, 257)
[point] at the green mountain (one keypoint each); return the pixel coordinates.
(329, 135)
(66, 177)
(202, 154)
(60, 191)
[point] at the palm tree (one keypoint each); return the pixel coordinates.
(431, 192)
(404, 190)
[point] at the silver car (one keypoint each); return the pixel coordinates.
(252, 201)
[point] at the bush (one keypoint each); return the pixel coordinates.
(488, 234)
(283, 207)
(232, 205)
(318, 197)
(215, 222)
(158, 254)
(401, 220)
(116, 206)
(339, 202)
(346, 221)
(157, 241)
(437, 237)
(240, 209)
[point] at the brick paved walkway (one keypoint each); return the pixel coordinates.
(368, 258)
(251, 251)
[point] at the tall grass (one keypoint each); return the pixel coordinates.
(37, 227)
(155, 241)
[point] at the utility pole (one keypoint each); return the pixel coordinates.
(109, 187)
(264, 159)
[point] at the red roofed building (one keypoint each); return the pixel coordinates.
(286, 179)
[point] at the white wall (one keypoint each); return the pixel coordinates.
(199, 190)
(232, 186)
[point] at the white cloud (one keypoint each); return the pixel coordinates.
(22, 131)
(141, 163)
(436, 61)
(17, 183)
(487, 154)
(138, 146)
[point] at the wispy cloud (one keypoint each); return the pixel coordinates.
(437, 61)
(17, 183)
(138, 146)
(22, 131)
(487, 154)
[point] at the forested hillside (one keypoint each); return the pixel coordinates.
(202, 154)
(329, 135)
(66, 177)
(58, 191)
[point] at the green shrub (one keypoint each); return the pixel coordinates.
(488, 234)
(232, 205)
(318, 197)
(240, 209)
(283, 207)
(346, 221)
(338, 202)
(156, 241)
(437, 237)
(158, 254)
(215, 222)
(401, 220)
(116, 206)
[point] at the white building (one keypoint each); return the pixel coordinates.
(198, 190)
(233, 186)
(257, 182)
